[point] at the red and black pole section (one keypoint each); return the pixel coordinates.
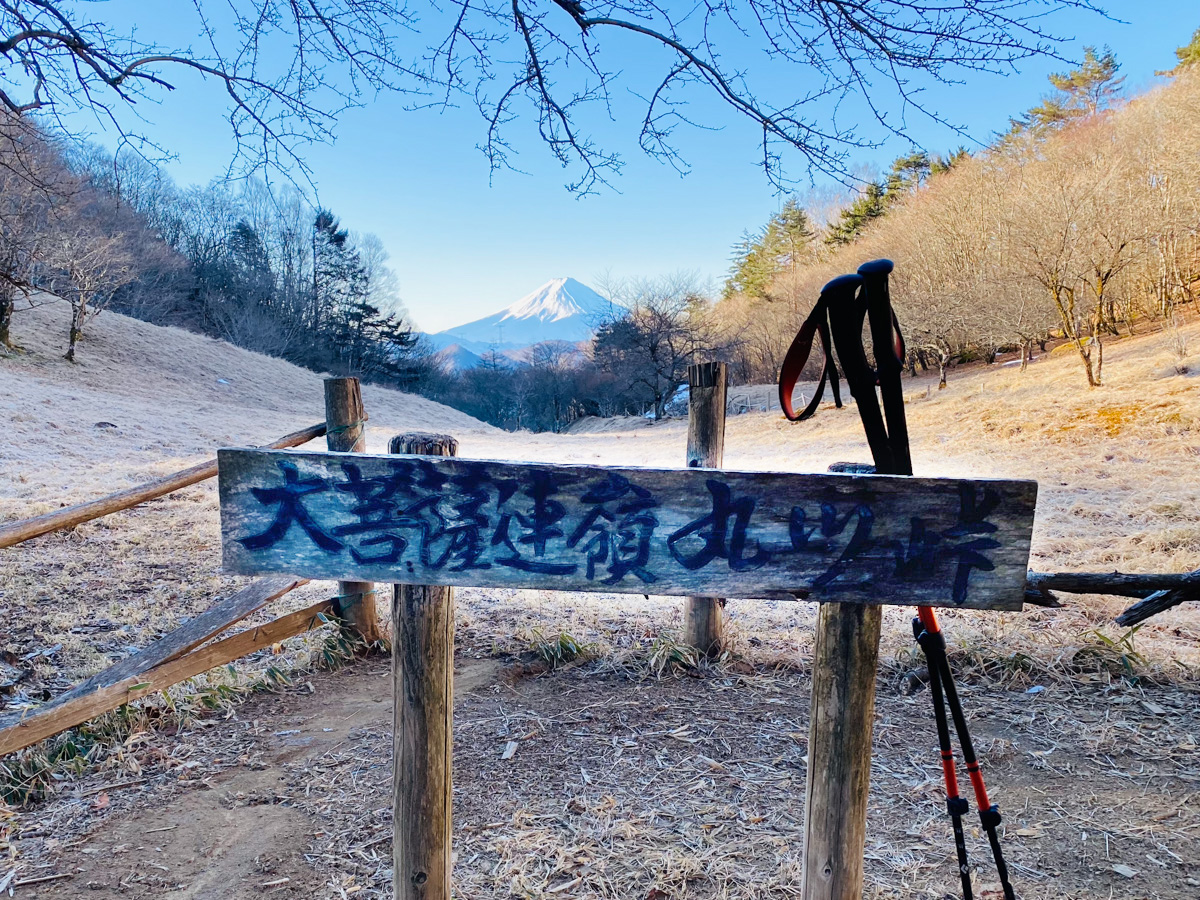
(956, 804)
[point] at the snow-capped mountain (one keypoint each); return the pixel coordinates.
(560, 310)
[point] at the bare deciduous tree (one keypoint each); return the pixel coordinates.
(288, 69)
(666, 326)
(88, 261)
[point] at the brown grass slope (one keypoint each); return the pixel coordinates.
(1117, 469)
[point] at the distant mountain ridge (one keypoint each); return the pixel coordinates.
(562, 309)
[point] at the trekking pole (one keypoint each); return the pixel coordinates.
(888, 345)
(845, 307)
(956, 805)
(934, 645)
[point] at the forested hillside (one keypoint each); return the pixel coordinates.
(251, 264)
(1081, 223)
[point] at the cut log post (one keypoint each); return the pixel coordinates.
(841, 722)
(422, 737)
(839, 750)
(345, 421)
(16, 532)
(703, 617)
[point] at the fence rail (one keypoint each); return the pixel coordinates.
(25, 529)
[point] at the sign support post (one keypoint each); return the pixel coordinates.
(840, 724)
(703, 617)
(345, 422)
(423, 725)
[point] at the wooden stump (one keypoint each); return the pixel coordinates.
(345, 421)
(423, 681)
(703, 621)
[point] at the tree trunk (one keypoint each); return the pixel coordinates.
(1066, 314)
(78, 310)
(8, 301)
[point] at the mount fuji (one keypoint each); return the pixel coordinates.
(560, 310)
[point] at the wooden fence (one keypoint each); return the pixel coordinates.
(185, 652)
(426, 521)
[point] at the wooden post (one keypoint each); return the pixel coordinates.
(839, 750)
(703, 616)
(345, 421)
(841, 722)
(422, 737)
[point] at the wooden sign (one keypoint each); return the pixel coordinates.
(698, 532)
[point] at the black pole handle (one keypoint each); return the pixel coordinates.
(888, 345)
(847, 312)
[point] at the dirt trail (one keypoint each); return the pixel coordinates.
(235, 834)
(680, 788)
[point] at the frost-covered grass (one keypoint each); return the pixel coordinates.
(1117, 468)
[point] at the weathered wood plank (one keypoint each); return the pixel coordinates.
(189, 635)
(16, 532)
(418, 520)
(39, 724)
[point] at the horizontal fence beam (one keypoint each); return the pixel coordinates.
(186, 637)
(1118, 584)
(45, 722)
(15, 532)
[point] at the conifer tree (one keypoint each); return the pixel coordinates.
(907, 174)
(783, 245)
(1188, 54)
(870, 205)
(1082, 92)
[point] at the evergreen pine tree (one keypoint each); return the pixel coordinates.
(784, 244)
(907, 174)
(1079, 93)
(1188, 54)
(870, 205)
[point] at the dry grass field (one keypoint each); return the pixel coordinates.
(633, 777)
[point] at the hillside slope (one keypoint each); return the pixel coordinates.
(173, 396)
(1116, 469)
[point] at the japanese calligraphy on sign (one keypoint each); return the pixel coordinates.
(439, 520)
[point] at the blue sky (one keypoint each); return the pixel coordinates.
(465, 241)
